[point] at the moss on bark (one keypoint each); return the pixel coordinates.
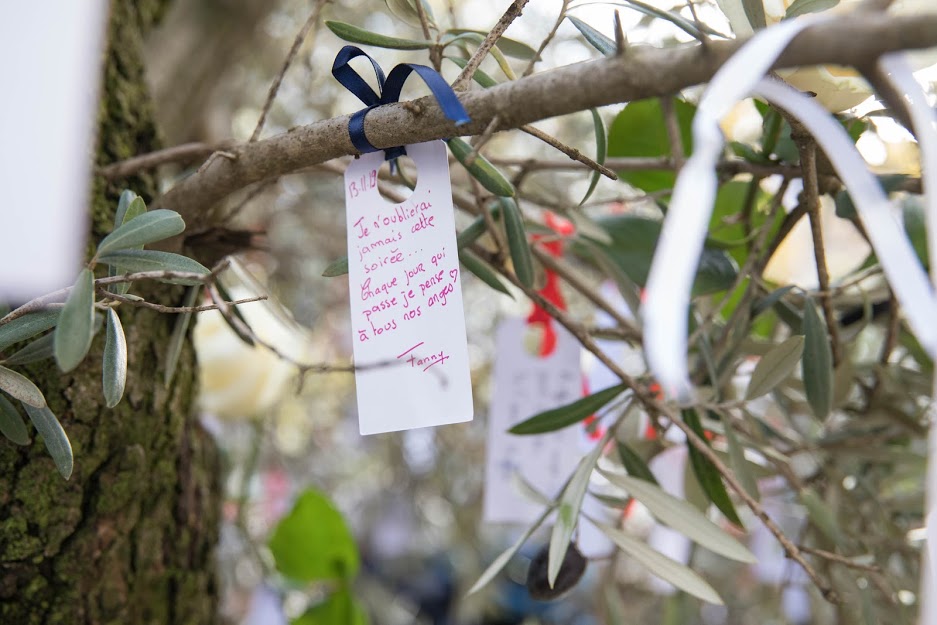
(129, 538)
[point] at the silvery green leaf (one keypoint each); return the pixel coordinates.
(54, 437)
(499, 563)
(775, 366)
(20, 387)
(663, 567)
(567, 514)
(151, 260)
(147, 228)
(11, 423)
(682, 517)
(817, 362)
(600, 42)
(740, 466)
(115, 360)
(40, 349)
(75, 328)
(27, 326)
(127, 199)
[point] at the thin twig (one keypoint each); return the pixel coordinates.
(150, 160)
(512, 13)
(435, 51)
(123, 299)
(835, 557)
(546, 41)
(677, 150)
(294, 49)
(57, 297)
(571, 152)
(479, 142)
(811, 197)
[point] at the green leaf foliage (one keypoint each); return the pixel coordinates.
(471, 233)
(147, 228)
(128, 206)
(511, 47)
(634, 464)
(481, 169)
(802, 7)
(504, 557)
(755, 12)
(775, 366)
(338, 267)
(740, 466)
(663, 567)
(639, 130)
(479, 76)
(682, 517)
(558, 418)
(40, 349)
(567, 514)
(54, 437)
(601, 151)
(75, 328)
(817, 362)
(821, 515)
(115, 360)
(20, 387)
(354, 34)
(312, 542)
(151, 260)
(912, 211)
(11, 423)
(27, 326)
(706, 473)
(634, 240)
(596, 39)
(517, 242)
(481, 270)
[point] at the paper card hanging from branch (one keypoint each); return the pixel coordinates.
(408, 325)
(47, 121)
(525, 384)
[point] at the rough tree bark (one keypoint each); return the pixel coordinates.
(129, 538)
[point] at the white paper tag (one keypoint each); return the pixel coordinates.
(47, 121)
(408, 325)
(525, 384)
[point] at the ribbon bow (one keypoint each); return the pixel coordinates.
(390, 92)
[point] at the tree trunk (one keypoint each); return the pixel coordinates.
(130, 537)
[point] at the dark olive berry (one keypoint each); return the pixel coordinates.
(571, 571)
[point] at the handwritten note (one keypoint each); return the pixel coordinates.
(525, 384)
(406, 298)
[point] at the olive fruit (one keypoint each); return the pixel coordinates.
(571, 571)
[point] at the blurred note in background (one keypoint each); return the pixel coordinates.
(49, 76)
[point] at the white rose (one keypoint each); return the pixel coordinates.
(239, 381)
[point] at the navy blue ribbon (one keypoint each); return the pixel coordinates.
(390, 92)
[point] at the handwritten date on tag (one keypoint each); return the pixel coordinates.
(407, 318)
(525, 384)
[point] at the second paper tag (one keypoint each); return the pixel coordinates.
(525, 384)
(407, 318)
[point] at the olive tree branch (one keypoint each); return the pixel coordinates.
(645, 72)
